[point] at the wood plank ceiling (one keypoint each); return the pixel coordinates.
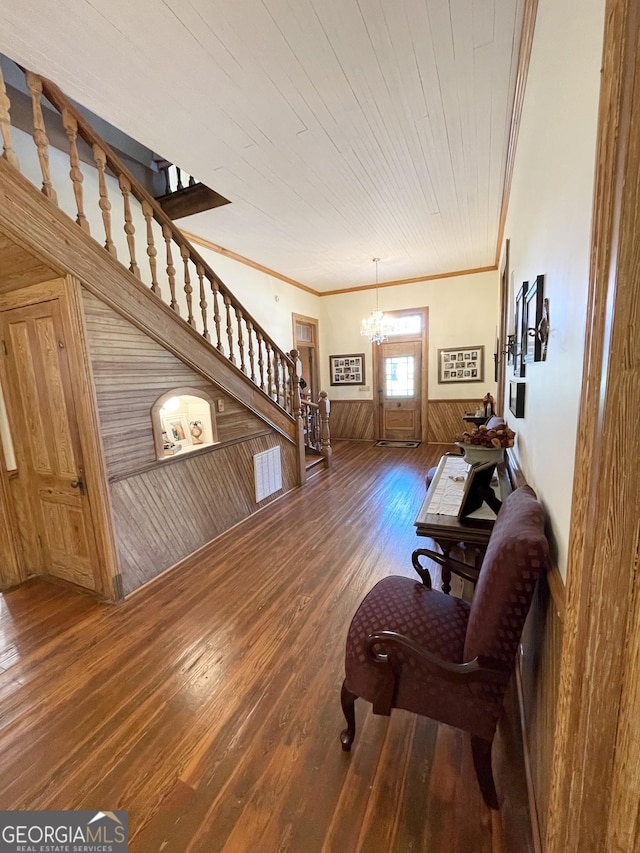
(341, 130)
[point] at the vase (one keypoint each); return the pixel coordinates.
(196, 432)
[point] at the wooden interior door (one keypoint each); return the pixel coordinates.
(400, 390)
(305, 340)
(45, 430)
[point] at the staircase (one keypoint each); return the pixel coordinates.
(167, 277)
(184, 198)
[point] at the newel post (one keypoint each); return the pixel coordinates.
(324, 404)
(297, 412)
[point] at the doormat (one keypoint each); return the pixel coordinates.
(385, 442)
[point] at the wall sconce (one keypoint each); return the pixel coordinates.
(541, 332)
(509, 350)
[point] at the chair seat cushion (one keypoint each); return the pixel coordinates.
(437, 623)
(433, 620)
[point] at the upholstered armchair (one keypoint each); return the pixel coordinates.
(412, 647)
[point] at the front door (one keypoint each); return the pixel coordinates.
(45, 430)
(399, 390)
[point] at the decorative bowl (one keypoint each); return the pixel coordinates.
(474, 454)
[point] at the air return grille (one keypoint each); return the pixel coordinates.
(268, 473)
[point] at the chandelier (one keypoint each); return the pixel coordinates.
(376, 327)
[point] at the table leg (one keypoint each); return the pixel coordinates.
(445, 571)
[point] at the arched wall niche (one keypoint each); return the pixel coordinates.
(183, 420)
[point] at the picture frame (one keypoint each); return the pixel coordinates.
(532, 316)
(458, 365)
(516, 398)
(478, 490)
(347, 369)
(520, 331)
(177, 429)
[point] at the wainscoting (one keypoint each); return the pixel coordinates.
(162, 515)
(539, 675)
(446, 419)
(352, 419)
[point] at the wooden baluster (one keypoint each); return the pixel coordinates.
(276, 385)
(34, 84)
(269, 351)
(215, 288)
(227, 302)
(75, 173)
(252, 365)
(295, 384)
(129, 228)
(152, 252)
(203, 303)
(287, 384)
(171, 270)
(324, 405)
(298, 414)
(179, 176)
(192, 181)
(105, 205)
(260, 360)
(167, 178)
(186, 257)
(5, 126)
(243, 367)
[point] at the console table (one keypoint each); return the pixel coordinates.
(437, 517)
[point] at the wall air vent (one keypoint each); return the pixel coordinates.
(267, 470)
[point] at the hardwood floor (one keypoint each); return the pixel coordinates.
(207, 704)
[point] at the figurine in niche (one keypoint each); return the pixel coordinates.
(488, 405)
(195, 428)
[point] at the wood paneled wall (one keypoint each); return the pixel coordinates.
(163, 515)
(352, 419)
(165, 510)
(355, 419)
(19, 268)
(446, 419)
(540, 674)
(130, 372)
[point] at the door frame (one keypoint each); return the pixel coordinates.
(500, 355)
(424, 378)
(596, 754)
(311, 321)
(68, 292)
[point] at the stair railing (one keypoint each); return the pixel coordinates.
(172, 269)
(315, 419)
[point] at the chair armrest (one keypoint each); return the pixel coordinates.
(459, 568)
(477, 670)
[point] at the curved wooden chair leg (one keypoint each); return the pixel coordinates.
(348, 700)
(481, 749)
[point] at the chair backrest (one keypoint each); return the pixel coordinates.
(495, 422)
(516, 554)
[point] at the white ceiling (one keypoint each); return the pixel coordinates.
(340, 130)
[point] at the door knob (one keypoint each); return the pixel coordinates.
(78, 484)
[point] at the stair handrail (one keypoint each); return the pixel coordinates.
(279, 379)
